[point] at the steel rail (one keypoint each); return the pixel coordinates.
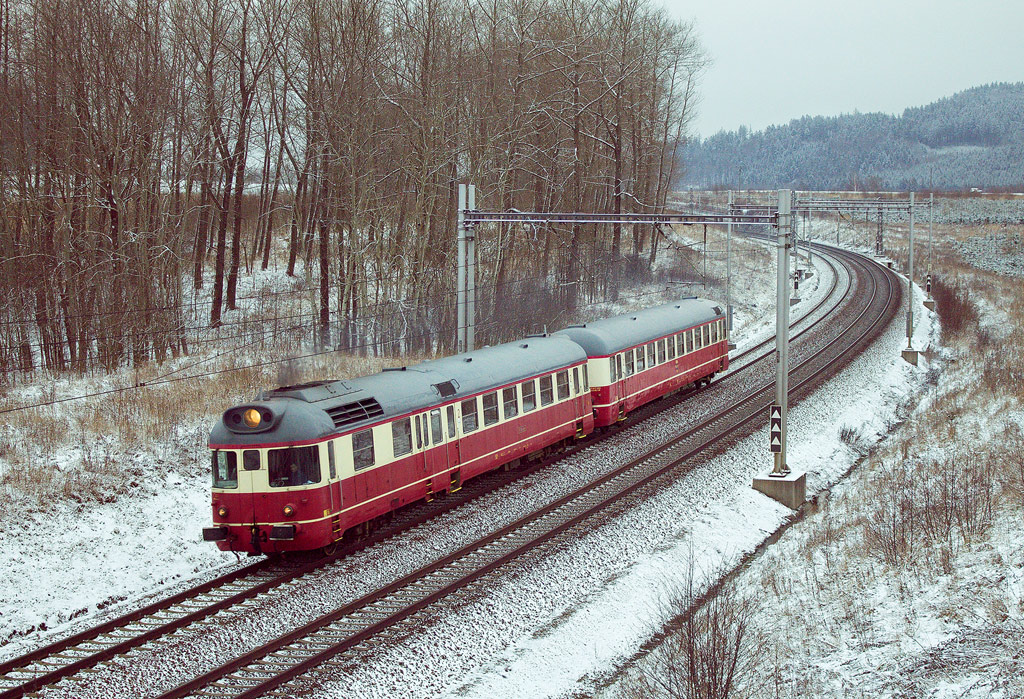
(315, 643)
(78, 652)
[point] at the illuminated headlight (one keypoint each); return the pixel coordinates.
(289, 510)
(252, 417)
(222, 512)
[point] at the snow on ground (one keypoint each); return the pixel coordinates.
(578, 616)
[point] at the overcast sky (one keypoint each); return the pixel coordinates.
(776, 60)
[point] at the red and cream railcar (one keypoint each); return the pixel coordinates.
(299, 466)
(639, 357)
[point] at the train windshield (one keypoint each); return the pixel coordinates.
(225, 469)
(293, 466)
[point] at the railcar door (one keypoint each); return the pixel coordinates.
(621, 389)
(437, 452)
(454, 449)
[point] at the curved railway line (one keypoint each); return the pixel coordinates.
(332, 636)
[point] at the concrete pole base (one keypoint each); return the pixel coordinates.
(910, 356)
(929, 304)
(790, 490)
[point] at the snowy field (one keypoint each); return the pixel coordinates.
(572, 624)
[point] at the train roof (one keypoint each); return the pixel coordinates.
(610, 335)
(314, 410)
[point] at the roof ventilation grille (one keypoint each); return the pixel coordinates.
(351, 413)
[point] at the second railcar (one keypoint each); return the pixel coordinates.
(639, 357)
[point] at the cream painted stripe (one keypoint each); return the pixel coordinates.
(422, 480)
(645, 388)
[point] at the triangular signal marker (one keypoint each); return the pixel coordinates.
(776, 427)
(776, 442)
(776, 414)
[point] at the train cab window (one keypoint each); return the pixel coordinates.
(419, 432)
(469, 416)
(641, 362)
(451, 422)
(562, 382)
(586, 378)
(362, 449)
(613, 377)
(490, 408)
(435, 426)
(618, 367)
(293, 466)
(576, 379)
(332, 466)
(629, 362)
(225, 469)
(661, 351)
(670, 343)
(401, 437)
(529, 395)
(547, 395)
(251, 460)
(511, 402)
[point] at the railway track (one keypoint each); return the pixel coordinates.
(86, 649)
(331, 638)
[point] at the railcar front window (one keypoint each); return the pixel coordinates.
(362, 449)
(225, 469)
(293, 466)
(251, 460)
(529, 396)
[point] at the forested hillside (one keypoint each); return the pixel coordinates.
(154, 152)
(973, 139)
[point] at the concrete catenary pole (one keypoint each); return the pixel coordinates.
(910, 280)
(728, 267)
(460, 292)
(782, 325)
(471, 275)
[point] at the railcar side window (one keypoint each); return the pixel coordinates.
(490, 408)
(586, 379)
(401, 437)
(547, 396)
(435, 425)
(696, 339)
(681, 344)
(629, 362)
(618, 367)
(562, 381)
(576, 379)
(670, 343)
(704, 333)
(511, 402)
(451, 422)
(714, 332)
(611, 369)
(293, 466)
(362, 449)
(641, 362)
(251, 460)
(529, 395)
(687, 346)
(652, 357)
(661, 351)
(225, 469)
(469, 415)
